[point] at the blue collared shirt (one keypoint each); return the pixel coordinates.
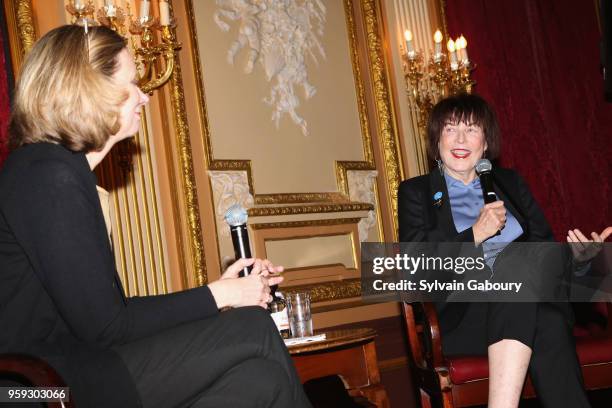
(466, 202)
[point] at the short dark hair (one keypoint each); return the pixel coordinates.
(467, 108)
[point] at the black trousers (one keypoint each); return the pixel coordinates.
(235, 359)
(544, 327)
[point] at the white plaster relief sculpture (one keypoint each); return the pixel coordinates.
(229, 188)
(362, 189)
(279, 34)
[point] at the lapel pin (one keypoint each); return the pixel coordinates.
(438, 199)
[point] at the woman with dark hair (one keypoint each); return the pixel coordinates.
(60, 296)
(447, 205)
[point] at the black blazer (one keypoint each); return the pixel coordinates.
(60, 295)
(422, 220)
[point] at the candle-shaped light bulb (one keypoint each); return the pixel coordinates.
(145, 8)
(450, 46)
(409, 46)
(164, 13)
(109, 7)
(78, 4)
(458, 47)
(464, 54)
(438, 45)
(438, 36)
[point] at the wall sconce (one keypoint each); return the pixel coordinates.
(446, 73)
(154, 57)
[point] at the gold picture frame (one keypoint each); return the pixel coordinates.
(370, 10)
(377, 123)
(21, 29)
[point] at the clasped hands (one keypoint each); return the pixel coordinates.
(253, 290)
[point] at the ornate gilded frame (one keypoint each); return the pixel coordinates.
(21, 29)
(316, 202)
(383, 107)
(322, 291)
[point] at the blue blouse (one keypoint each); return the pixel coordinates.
(466, 202)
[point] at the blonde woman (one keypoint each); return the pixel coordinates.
(60, 295)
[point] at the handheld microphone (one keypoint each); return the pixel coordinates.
(483, 169)
(236, 217)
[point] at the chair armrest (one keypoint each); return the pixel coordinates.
(434, 330)
(35, 371)
(424, 334)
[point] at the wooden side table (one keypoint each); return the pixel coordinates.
(348, 353)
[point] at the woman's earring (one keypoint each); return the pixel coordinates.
(440, 166)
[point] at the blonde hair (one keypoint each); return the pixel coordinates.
(65, 93)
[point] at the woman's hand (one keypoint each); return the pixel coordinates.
(252, 290)
(585, 249)
(492, 218)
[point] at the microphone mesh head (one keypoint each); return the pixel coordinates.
(483, 166)
(236, 215)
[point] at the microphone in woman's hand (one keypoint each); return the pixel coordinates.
(236, 217)
(483, 169)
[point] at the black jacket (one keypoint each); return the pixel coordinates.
(421, 220)
(60, 295)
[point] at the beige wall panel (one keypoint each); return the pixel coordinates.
(283, 159)
(226, 97)
(311, 251)
(314, 251)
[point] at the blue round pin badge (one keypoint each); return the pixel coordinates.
(438, 195)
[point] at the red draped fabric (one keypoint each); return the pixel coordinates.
(4, 100)
(538, 64)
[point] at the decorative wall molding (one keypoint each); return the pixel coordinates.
(328, 291)
(388, 138)
(376, 118)
(279, 34)
(229, 188)
(340, 166)
(308, 223)
(362, 188)
(188, 184)
(21, 30)
(309, 209)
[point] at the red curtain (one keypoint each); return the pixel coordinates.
(4, 100)
(538, 64)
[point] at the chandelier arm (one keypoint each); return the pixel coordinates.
(161, 80)
(147, 74)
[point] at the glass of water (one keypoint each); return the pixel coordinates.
(300, 317)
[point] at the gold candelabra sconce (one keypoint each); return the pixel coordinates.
(153, 39)
(442, 75)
